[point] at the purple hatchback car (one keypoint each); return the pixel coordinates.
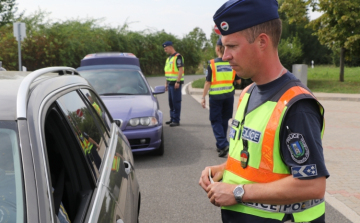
(118, 80)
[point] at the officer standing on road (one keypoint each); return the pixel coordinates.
(174, 73)
(220, 80)
(275, 169)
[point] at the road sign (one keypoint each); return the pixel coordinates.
(217, 31)
(79, 113)
(19, 30)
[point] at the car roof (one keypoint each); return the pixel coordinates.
(16, 88)
(111, 67)
(110, 58)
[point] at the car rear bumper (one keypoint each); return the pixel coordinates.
(142, 140)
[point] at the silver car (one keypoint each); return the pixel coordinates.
(62, 156)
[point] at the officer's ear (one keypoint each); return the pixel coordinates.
(263, 41)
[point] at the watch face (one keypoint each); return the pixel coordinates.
(238, 191)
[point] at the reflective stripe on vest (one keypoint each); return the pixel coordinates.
(287, 208)
(265, 162)
(222, 81)
(171, 70)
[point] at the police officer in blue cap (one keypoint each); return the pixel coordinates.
(220, 81)
(174, 73)
(275, 169)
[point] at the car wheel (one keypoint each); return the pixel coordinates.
(160, 151)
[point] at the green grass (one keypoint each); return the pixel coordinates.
(324, 79)
(199, 83)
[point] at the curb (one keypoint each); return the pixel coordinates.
(320, 96)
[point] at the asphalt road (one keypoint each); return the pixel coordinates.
(169, 184)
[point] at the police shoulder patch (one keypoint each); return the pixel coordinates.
(298, 148)
(304, 171)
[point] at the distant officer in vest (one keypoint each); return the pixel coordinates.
(220, 81)
(94, 104)
(275, 170)
(174, 73)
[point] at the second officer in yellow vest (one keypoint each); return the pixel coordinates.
(174, 74)
(220, 81)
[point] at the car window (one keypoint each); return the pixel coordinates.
(72, 181)
(116, 82)
(11, 190)
(98, 106)
(87, 128)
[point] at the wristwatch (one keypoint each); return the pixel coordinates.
(239, 193)
(178, 82)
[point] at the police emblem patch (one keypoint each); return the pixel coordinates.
(178, 61)
(224, 26)
(298, 148)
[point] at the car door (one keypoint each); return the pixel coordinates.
(117, 177)
(97, 143)
(79, 145)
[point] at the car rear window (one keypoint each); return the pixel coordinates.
(116, 82)
(11, 189)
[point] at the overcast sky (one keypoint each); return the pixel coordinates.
(177, 17)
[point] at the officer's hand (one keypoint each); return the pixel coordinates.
(177, 85)
(203, 102)
(166, 87)
(216, 173)
(221, 194)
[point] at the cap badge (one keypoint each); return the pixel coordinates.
(224, 26)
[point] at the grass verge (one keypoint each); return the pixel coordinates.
(324, 79)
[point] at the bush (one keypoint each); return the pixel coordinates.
(290, 52)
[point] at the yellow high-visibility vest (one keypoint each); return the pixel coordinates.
(171, 70)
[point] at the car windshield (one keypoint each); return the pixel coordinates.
(11, 189)
(116, 82)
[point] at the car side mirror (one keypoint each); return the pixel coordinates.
(159, 90)
(118, 122)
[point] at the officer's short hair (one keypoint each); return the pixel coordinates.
(271, 28)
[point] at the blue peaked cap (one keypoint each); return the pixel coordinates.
(237, 15)
(167, 43)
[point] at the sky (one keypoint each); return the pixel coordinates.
(177, 17)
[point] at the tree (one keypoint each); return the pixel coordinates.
(337, 28)
(7, 11)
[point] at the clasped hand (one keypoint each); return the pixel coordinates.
(219, 194)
